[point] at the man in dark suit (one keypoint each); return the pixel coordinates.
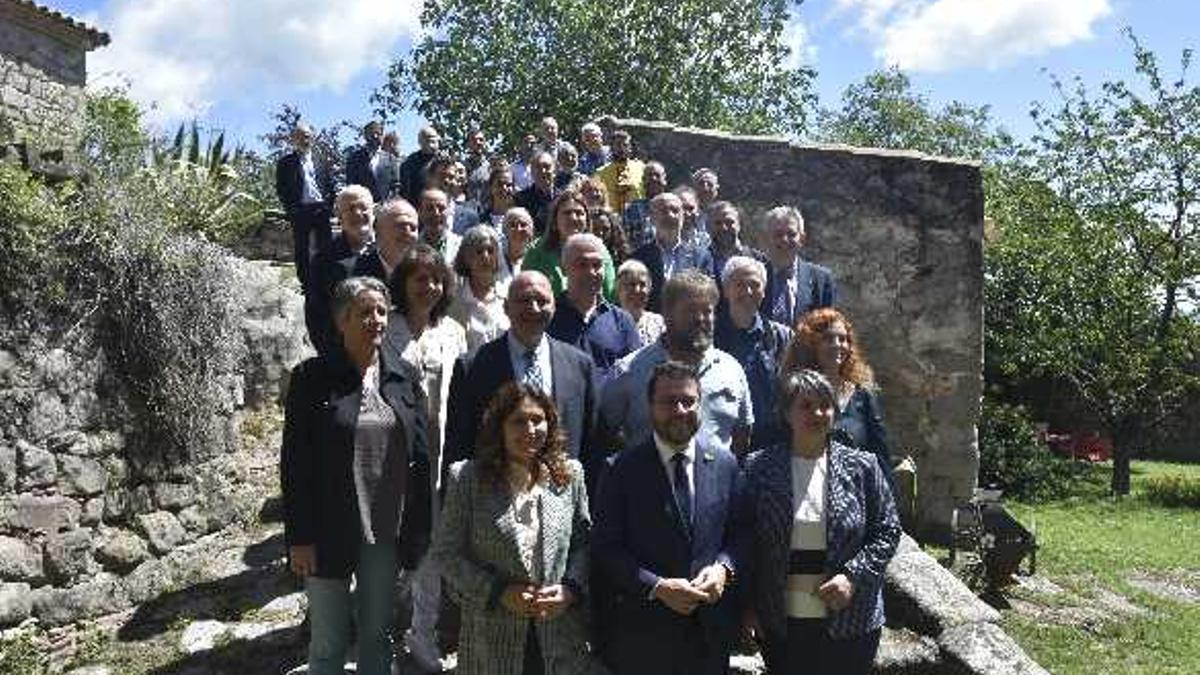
(668, 254)
(536, 198)
(412, 169)
(794, 285)
(306, 192)
(664, 546)
(360, 163)
(524, 352)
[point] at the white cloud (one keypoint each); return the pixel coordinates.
(939, 35)
(180, 56)
(803, 50)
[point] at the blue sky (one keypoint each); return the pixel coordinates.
(230, 62)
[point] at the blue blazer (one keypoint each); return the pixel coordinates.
(477, 377)
(651, 256)
(862, 531)
(815, 288)
(639, 536)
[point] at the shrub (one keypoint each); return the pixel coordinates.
(1174, 490)
(1012, 458)
(31, 222)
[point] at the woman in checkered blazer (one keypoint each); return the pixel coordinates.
(512, 543)
(824, 528)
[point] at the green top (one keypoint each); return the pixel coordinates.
(548, 262)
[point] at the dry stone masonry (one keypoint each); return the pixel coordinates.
(43, 70)
(903, 234)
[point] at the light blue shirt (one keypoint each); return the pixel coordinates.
(725, 403)
(541, 353)
(311, 193)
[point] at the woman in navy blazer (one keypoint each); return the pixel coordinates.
(824, 528)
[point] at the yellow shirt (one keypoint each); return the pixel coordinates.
(623, 180)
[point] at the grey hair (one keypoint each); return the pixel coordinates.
(538, 155)
(578, 242)
(685, 284)
(564, 146)
(515, 212)
(348, 289)
(472, 240)
(703, 171)
(805, 383)
(740, 263)
(393, 205)
(349, 191)
(633, 266)
(590, 126)
(784, 213)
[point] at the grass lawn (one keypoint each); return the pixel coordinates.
(1091, 547)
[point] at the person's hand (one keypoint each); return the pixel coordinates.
(679, 595)
(836, 592)
(303, 559)
(551, 601)
(711, 582)
(518, 599)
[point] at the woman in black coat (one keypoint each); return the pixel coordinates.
(355, 475)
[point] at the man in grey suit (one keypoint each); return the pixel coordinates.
(665, 546)
(525, 353)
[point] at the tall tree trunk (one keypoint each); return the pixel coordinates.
(1125, 435)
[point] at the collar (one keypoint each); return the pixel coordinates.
(518, 350)
(725, 319)
(666, 451)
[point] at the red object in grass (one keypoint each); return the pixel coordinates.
(1088, 446)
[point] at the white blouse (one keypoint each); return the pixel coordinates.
(483, 320)
(808, 534)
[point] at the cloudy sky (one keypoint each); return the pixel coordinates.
(230, 62)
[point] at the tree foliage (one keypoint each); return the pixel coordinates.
(883, 111)
(1128, 163)
(502, 65)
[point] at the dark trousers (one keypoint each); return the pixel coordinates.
(807, 648)
(681, 647)
(309, 221)
(533, 664)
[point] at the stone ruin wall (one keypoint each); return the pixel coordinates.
(42, 81)
(903, 234)
(86, 528)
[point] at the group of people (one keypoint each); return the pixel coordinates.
(501, 345)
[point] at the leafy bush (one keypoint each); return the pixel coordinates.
(1012, 458)
(31, 222)
(1174, 490)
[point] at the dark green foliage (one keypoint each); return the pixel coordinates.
(1173, 490)
(502, 65)
(1012, 458)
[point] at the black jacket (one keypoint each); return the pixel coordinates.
(289, 182)
(320, 503)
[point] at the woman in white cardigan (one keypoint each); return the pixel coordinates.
(420, 333)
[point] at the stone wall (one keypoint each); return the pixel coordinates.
(903, 235)
(41, 84)
(85, 527)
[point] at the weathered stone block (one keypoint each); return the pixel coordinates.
(984, 649)
(41, 514)
(8, 467)
(93, 511)
(116, 506)
(19, 560)
(193, 520)
(68, 555)
(81, 476)
(922, 595)
(173, 496)
(122, 551)
(48, 415)
(103, 595)
(37, 467)
(16, 603)
(163, 531)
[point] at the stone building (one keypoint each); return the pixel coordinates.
(43, 70)
(903, 234)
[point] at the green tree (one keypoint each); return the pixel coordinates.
(1128, 162)
(883, 111)
(502, 65)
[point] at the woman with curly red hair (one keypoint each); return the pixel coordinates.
(824, 341)
(512, 542)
